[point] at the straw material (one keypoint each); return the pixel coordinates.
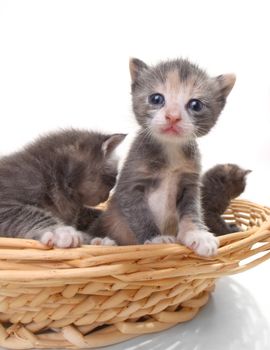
(95, 296)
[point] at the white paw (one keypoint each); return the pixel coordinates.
(203, 243)
(62, 237)
(102, 241)
(161, 240)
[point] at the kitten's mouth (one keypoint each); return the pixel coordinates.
(172, 130)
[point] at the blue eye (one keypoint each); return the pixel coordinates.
(195, 105)
(156, 99)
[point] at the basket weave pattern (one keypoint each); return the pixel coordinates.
(95, 296)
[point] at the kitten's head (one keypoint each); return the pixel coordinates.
(176, 100)
(101, 172)
(231, 177)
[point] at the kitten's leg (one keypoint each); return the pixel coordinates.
(218, 226)
(86, 217)
(87, 222)
(27, 221)
(128, 219)
(135, 210)
(192, 231)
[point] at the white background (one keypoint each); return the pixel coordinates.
(65, 63)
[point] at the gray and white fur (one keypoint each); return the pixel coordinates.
(46, 187)
(157, 197)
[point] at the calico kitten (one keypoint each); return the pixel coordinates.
(45, 187)
(157, 197)
(220, 185)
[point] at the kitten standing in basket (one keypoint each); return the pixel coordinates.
(45, 188)
(157, 198)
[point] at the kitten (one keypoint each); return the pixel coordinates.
(220, 185)
(45, 187)
(156, 199)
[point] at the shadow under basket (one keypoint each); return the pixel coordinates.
(95, 296)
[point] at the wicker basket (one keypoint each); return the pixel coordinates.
(95, 296)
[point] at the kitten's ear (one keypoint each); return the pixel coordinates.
(111, 143)
(246, 172)
(135, 67)
(226, 83)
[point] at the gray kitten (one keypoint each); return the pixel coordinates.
(45, 187)
(220, 185)
(157, 197)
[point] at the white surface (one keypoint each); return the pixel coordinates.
(65, 63)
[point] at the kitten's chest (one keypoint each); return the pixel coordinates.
(163, 197)
(162, 200)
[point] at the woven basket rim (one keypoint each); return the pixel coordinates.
(89, 259)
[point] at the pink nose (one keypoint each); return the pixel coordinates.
(173, 119)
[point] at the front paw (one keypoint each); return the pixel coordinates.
(102, 241)
(61, 237)
(163, 239)
(203, 243)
